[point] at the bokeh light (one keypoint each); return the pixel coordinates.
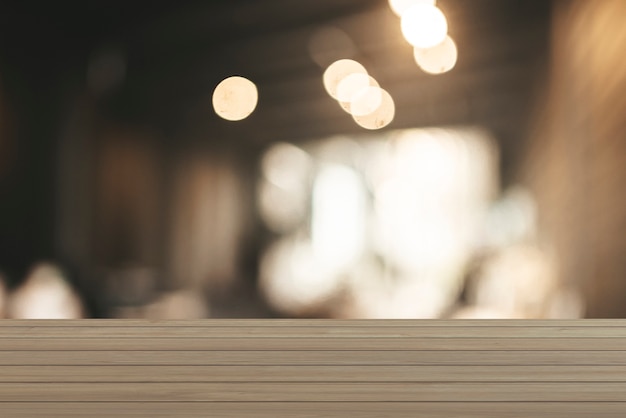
(338, 216)
(424, 26)
(45, 294)
(282, 198)
(399, 7)
(366, 101)
(439, 59)
(235, 98)
(293, 279)
(337, 71)
(392, 222)
(351, 85)
(382, 116)
(354, 89)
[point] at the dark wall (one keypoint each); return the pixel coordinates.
(577, 156)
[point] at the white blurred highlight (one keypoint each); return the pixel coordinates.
(431, 192)
(351, 85)
(438, 59)
(382, 116)
(282, 197)
(235, 98)
(366, 101)
(337, 71)
(338, 221)
(357, 91)
(399, 7)
(519, 282)
(292, 279)
(512, 219)
(392, 225)
(424, 26)
(45, 295)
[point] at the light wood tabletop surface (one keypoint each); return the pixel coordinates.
(313, 368)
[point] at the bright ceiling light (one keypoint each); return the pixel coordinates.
(401, 6)
(235, 98)
(424, 26)
(353, 94)
(382, 116)
(439, 59)
(351, 85)
(337, 71)
(366, 101)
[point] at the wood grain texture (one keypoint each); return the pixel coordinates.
(313, 368)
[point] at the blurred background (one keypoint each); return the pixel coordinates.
(491, 188)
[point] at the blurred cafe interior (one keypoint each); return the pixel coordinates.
(313, 159)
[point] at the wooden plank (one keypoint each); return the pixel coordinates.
(312, 392)
(165, 374)
(304, 323)
(316, 410)
(307, 344)
(257, 369)
(293, 332)
(363, 358)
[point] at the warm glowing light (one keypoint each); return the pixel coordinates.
(339, 216)
(235, 98)
(45, 295)
(282, 196)
(285, 165)
(382, 116)
(337, 71)
(293, 279)
(366, 101)
(424, 26)
(439, 59)
(399, 7)
(390, 222)
(351, 85)
(359, 95)
(519, 280)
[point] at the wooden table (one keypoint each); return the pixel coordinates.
(313, 368)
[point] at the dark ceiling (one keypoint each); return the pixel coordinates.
(176, 52)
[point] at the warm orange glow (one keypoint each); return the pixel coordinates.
(439, 59)
(424, 26)
(399, 7)
(339, 70)
(381, 116)
(235, 98)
